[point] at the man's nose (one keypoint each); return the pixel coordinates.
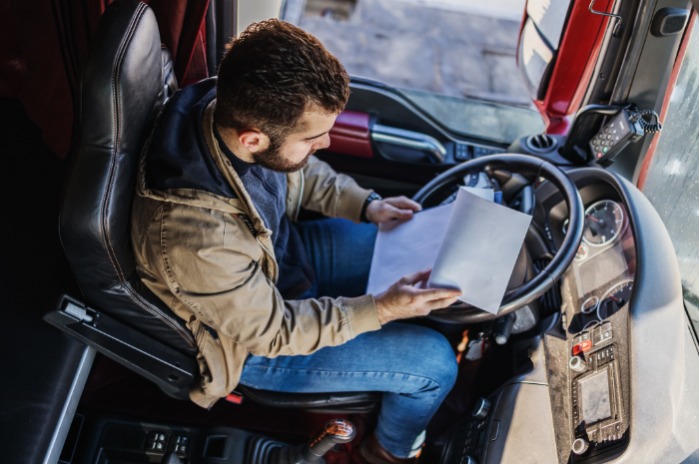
(323, 143)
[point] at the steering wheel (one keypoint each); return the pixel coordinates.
(539, 284)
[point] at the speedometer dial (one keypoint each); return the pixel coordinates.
(614, 299)
(603, 222)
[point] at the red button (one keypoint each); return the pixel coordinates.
(235, 398)
(582, 347)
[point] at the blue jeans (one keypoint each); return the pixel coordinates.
(413, 366)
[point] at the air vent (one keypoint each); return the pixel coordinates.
(541, 143)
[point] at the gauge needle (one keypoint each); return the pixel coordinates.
(598, 221)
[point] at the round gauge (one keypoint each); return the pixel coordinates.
(589, 305)
(614, 299)
(603, 222)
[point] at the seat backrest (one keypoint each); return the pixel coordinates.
(122, 92)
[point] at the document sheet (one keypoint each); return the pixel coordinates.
(471, 244)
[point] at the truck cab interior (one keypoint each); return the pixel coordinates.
(592, 357)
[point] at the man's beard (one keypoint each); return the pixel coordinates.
(272, 159)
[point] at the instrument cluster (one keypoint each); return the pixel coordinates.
(600, 278)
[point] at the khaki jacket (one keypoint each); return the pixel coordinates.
(211, 260)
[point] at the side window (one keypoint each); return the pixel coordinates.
(672, 182)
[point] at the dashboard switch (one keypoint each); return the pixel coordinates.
(577, 364)
(583, 347)
(481, 409)
(580, 446)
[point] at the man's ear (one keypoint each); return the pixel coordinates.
(253, 140)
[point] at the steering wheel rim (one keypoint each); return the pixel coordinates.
(532, 289)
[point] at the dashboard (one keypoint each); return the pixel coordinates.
(593, 387)
(600, 280)
(575, 404)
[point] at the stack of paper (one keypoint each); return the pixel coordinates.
(471, 244)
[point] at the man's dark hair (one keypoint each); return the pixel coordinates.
(270, 74)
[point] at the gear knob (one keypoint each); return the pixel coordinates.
(335, 431)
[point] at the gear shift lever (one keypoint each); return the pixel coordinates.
(335, 432)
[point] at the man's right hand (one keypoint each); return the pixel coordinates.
(406, 299)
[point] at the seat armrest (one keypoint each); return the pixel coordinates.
(172, 371)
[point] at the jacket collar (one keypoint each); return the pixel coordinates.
(226, 167)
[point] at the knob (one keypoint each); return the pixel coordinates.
(335, 431)
(481, 408)
(577, 364)
(580, 446)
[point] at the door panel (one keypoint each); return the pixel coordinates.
(389, 144)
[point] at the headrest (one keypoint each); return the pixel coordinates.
(122, 81)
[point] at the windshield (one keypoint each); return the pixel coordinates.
(484, 120)
(455, 59)
(672, 184)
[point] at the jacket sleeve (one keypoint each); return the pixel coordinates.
(331, 193)
(210, 262)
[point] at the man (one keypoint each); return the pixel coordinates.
(274, 303)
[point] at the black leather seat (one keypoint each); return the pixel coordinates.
(122, 92)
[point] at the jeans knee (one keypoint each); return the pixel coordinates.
(438, 360)
(449, 367)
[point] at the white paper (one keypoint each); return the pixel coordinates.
(484, 193)
(404, 247)
(480, 248)
(471, 244)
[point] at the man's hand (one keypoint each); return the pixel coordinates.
(391, 208)
(405, 299)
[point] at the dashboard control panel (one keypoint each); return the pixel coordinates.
(595, 389)
(592, 387)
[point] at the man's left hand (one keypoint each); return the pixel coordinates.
(391, 208)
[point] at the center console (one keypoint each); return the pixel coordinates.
(112, 440)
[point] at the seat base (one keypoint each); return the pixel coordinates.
(345, 402)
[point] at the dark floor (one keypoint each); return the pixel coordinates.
(37, 360)
(31, 182)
